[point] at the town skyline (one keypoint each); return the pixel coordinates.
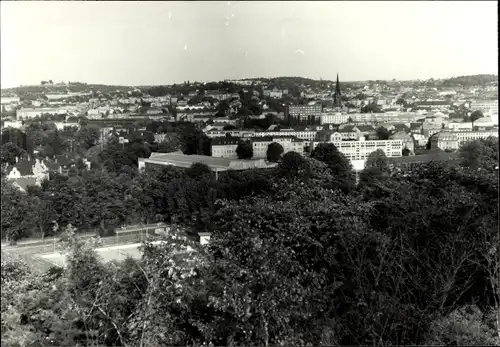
(219, 40)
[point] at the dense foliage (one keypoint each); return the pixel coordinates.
(295, 258)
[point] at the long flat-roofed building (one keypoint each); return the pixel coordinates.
(215, 164)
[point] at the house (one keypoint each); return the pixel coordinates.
(444, 140)
(67, 161)
(367, 131)
(349, 132)
(204, 238)
(27, 172)
(419, 140)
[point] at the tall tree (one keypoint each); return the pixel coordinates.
(244, 150)
(475, 116)
(11, 152)
(274, 152)
(339, 165)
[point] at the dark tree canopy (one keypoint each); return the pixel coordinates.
(274, 152)
(244, 150)
(198, 170)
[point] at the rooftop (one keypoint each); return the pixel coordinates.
(183, 160)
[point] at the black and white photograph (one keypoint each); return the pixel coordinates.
(249, 173)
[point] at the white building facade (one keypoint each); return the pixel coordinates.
(361, 149)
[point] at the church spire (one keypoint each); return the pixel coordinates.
(337, 99)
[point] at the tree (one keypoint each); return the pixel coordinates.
(293, 165)
(18, 213)
(378, 160)
(376, 168)
(171, 143)
(475, 116)
(338, 164)
(198, 169)
(383, 133)
(274, 152)
(193, 140)
(244, 150)
(480, 154)
(88, 136)
(371, 108)
(10, 152)
(55, 141)
(462, 327)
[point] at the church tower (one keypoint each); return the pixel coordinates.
(337, 102)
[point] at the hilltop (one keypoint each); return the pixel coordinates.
(278, 82)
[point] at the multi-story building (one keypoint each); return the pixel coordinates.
(361, 149)
(488, 107)
(434, 104)
(303, 112)
(27, 113)
(224, 147)
(304, 133)
(444, 140)
(469, 136)
(453, 126)
(336, 118)
(289, 143)
(407, 140)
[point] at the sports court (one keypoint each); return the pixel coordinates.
(107, 254)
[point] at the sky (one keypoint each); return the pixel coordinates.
(152, 43)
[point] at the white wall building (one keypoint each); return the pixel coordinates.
(459, 126)
(488, 107)
(28, 113)
(361, 149)
(289, 143)
(336, 118)
(469, 136)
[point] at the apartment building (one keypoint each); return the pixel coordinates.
(488, 107)
(336, 118)
(406, 139)
(289, 143)
(444, 140)
(28, 113)
(361, 149)
(469, 136)
(211, 133)
(302, 134)
(296, 111)
(454, 126)
(224, 147)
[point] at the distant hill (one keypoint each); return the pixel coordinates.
(467, 81)
(72, 87)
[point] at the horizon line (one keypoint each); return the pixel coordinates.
(253, 78)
